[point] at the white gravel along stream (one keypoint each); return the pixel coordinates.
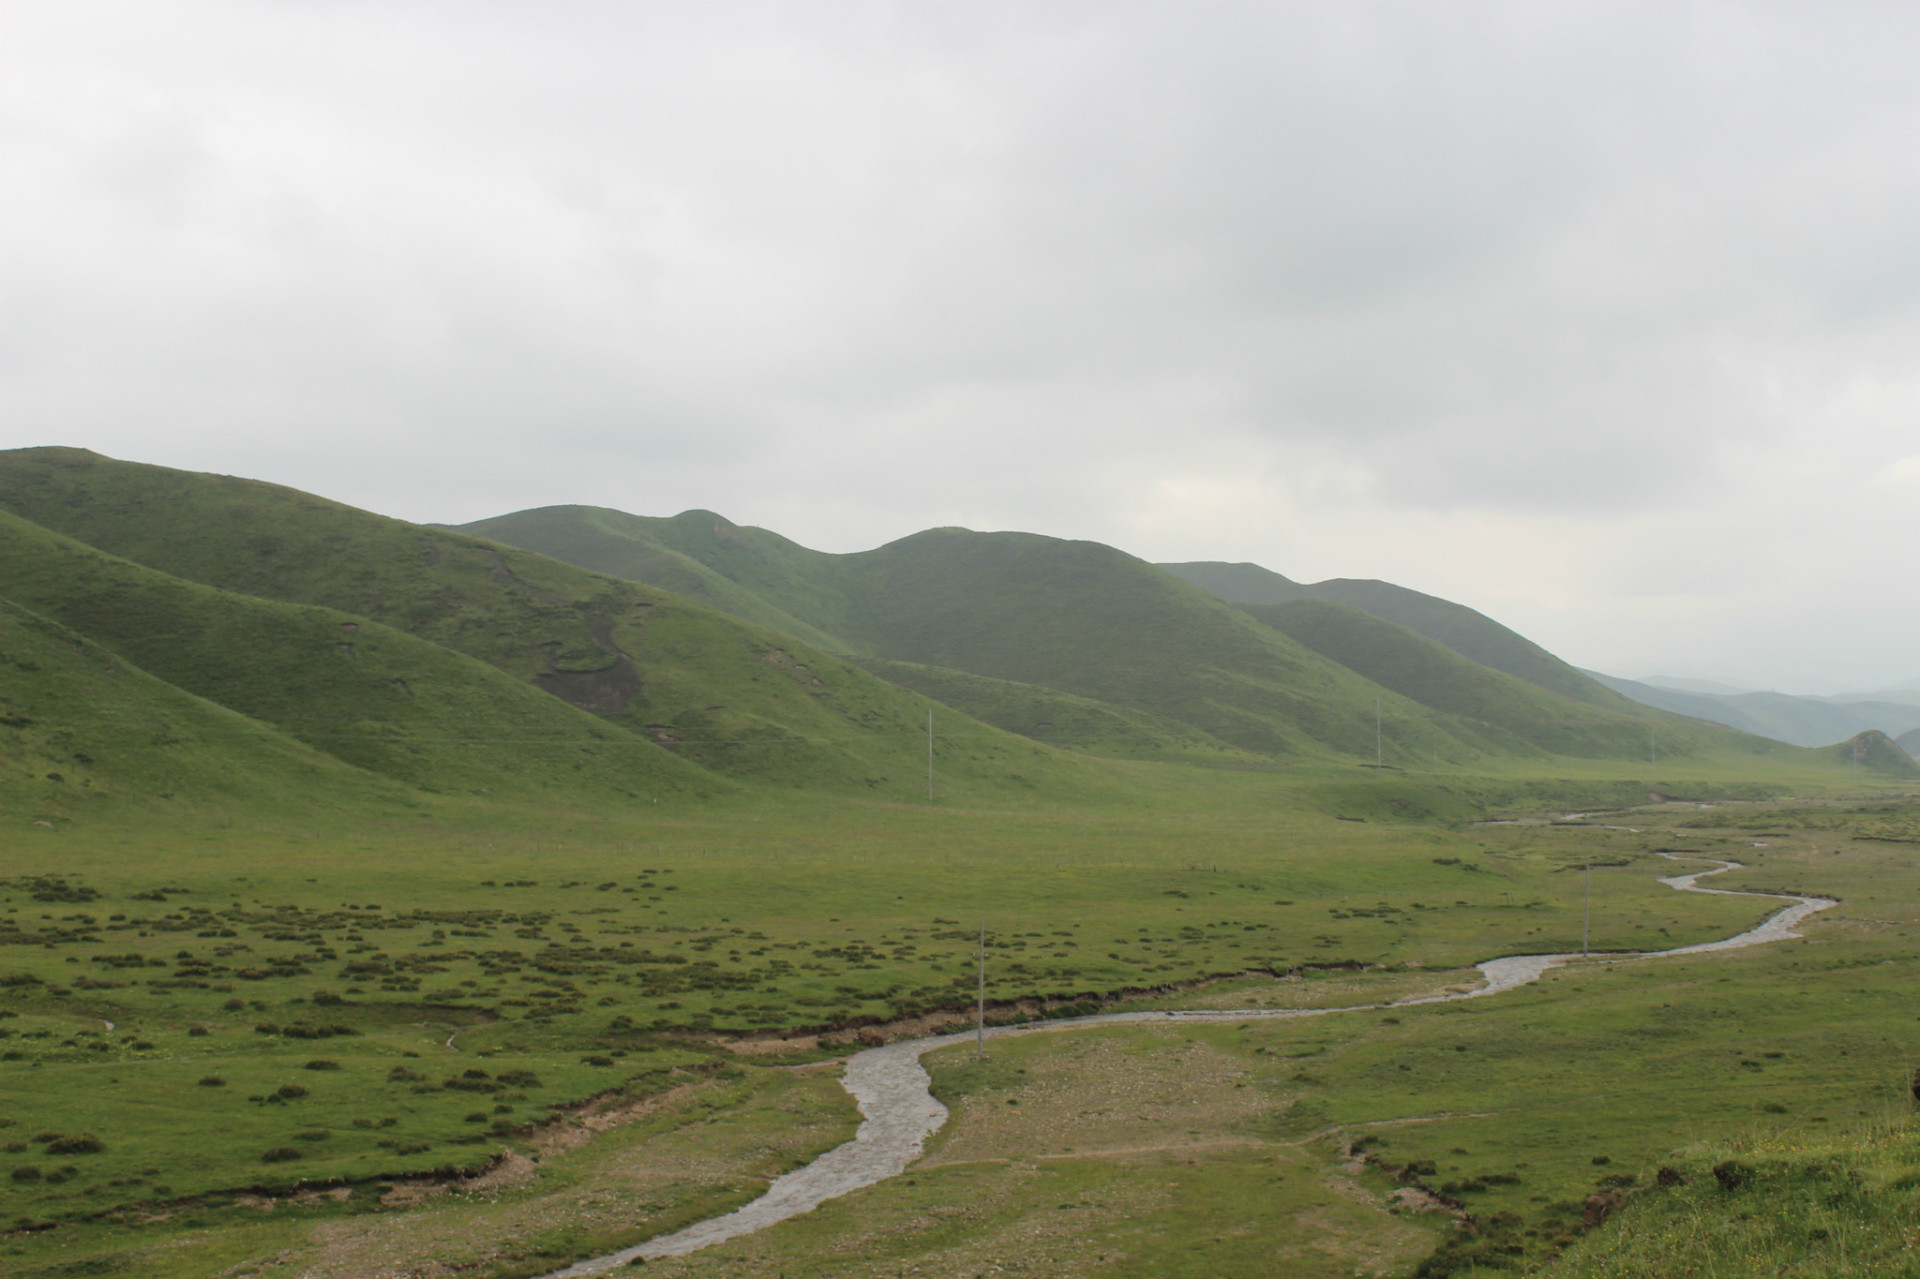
(898, 1113)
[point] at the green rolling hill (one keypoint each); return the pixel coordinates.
(1075, 617)
(676, 554)
(652, 667)
(1035, 613)
(371, 696)
(81, 730)
(1874, 752)
(1075, 723)
(1471, 634)
(1436, 676)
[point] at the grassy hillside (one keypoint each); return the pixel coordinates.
(84, 732)
(727, 696)
(767, 578)
(641, 549)
(370, 696)
(1471, 634)
(1075, 617)
(1801, 1205)
(1436, 676)
(1874, 752)
(1044, 714)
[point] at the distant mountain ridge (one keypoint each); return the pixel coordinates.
(1802, 721)
(953, 608)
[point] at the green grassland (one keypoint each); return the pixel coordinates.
(1261, 1147)
(593, 955)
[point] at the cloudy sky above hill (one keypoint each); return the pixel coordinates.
(1602, 318)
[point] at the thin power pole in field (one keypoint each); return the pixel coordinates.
(929, 754)
(980, 1024)
(1379, 760)
(1586, 919)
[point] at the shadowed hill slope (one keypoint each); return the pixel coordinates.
(727, 696)
(1471, 634)
(82, 729)
(371, 696)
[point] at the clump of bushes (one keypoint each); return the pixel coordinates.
(212, 1081)
(281, 1155)
(322, 1063)
(80, 1144)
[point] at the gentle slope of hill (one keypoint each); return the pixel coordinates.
(1471, 634)
(369, 695)
(1045, 714)
(1436, 676)
(647, 550)
(82, 729)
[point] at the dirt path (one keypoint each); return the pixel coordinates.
(899, 1113)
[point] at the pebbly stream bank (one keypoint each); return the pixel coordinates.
(898, 1113)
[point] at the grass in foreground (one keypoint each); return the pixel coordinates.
(556, 980)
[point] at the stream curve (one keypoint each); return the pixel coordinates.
(898, 1112)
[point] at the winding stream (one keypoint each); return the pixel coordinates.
(898, 1113)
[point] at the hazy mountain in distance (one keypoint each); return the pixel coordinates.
(1903, 694)
(1680, 684)
(1803, 721)
(1471, 634)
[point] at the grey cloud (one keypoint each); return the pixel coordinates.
(1230, 282)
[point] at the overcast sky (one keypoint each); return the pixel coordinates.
(1602, 318)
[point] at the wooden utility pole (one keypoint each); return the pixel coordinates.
(1586, 917)
(980, 1024)
(929, 754)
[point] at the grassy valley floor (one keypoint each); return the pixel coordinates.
(486, 1047)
